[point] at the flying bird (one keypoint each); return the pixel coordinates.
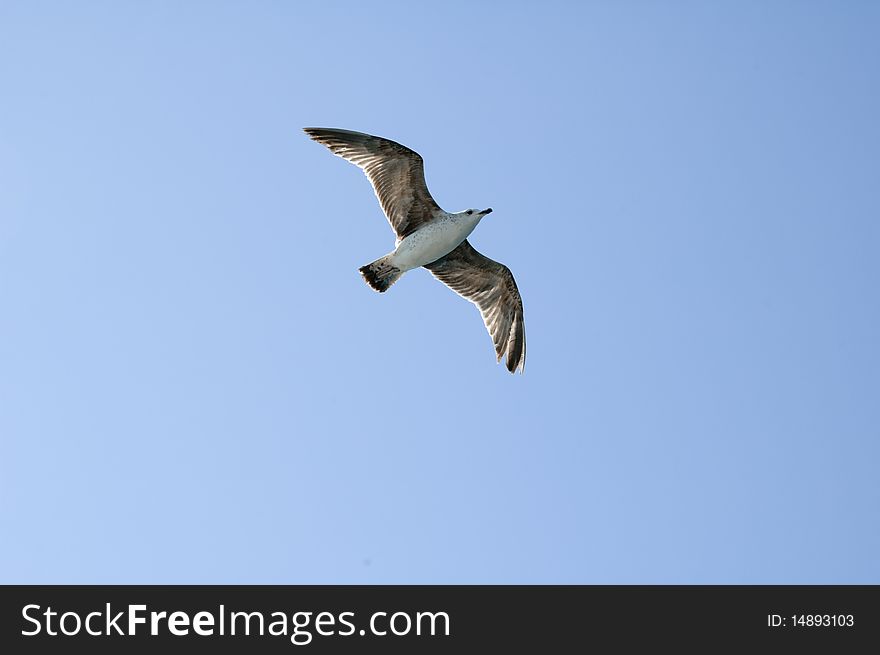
(430, 237)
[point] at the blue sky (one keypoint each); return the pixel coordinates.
(196, 386)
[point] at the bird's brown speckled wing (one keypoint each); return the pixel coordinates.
(491, 287)
(396, 173)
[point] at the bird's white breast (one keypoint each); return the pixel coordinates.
(434, 240)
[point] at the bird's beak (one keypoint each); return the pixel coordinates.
(486, 211)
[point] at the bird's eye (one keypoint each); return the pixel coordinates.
(470, 211)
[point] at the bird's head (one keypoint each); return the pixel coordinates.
(481, 214)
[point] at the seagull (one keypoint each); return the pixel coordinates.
(430, 237)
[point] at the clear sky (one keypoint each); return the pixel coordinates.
(196, 386)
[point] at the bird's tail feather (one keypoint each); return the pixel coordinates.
(381, 273)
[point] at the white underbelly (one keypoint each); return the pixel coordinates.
(430, 243)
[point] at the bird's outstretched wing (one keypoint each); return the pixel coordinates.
(396, 173)
(491, 287)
